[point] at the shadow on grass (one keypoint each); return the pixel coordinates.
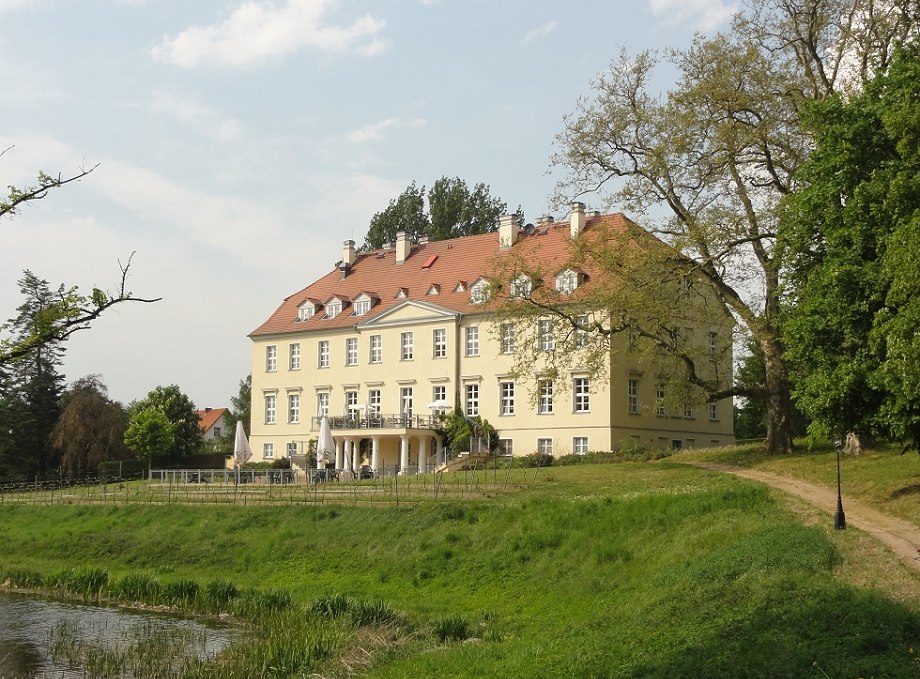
(906, 490)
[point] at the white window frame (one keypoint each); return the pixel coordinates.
(580, 445)
(545, 338)
(351, 351)
(406, 397)
(521, 287)
(271, 405)
(333, 310)
(581, 394)
(567, 281)
(351, 402)
(439, 392)
(376, 349)
(323, 357)
(471, 399)
(293, 408)
(271, 358)
(660, 395)
(305, 313)
(268, 451)
(545, 400)
(294, 356)
(361, 307)
(508, 339)
(322, 403)
(373, 402)
(713, 343)
(713, 411)
(472, 340)
(545, 446)
(581, 335)
(439, 342)
(479, 292)
(406, 346)
(506, 447)
(632, 396)
(291, 448)
(506, 399)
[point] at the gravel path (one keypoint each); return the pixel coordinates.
(901, 536)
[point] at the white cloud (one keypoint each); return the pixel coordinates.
(373, 130)
(200, 116)
(6, 5)
(257, 31)
(705, 15)
(540, 32)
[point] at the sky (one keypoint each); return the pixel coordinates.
(238, 143)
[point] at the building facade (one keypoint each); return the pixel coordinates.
(389, 339)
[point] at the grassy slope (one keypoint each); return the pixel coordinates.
(608, 570)
(882, 478)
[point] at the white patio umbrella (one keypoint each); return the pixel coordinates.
(325, 445)
(241, 450)
(440, 404)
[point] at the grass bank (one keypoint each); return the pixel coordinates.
(618, 570)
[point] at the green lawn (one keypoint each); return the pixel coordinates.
(617, 570)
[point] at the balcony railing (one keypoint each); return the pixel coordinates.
(380, 422)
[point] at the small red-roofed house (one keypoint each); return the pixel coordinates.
(212, 423)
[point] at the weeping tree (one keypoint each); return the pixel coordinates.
(706, 165)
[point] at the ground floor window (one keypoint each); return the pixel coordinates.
(545, 446)
(268, 450)
(291, 448)
(506, 447)
(580, 445)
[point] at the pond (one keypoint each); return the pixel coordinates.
(47, 638)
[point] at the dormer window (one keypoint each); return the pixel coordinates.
(333, 309)
(307, 310)
(435, 289)
(361, 307)
(460, 287)
(567, 281)
(521, 287)
(479, 292)
(402, 293)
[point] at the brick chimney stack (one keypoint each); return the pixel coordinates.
(508, 231)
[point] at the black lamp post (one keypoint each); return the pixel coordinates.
(840, 519)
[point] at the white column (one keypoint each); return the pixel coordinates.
(442, 452)
(349, 443)
(403, 453)
(338, 453)
(375, 454)
(423, 453)
(356, 454)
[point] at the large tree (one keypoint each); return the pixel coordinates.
(180, 412)
(853, 320)
(454, 210)
(91, 427)
(707, 165)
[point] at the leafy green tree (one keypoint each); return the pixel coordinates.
(16, 198)
(150, 433)
(708, 165)
(457, 429)
(91, 428)
(180, 412)
(240, 408)
(453, 210)
(853, 317)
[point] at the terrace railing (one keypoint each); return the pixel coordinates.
(373, 421)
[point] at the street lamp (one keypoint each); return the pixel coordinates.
(840, 519)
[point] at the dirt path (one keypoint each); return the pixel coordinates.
(901, 536)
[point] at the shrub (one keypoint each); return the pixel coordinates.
(331, 606)
(180, 592)
(452, 627)
(136, 587)
(221, 592)
(367, 614)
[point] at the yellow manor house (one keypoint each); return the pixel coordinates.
(391, 338)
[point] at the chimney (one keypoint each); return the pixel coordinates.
(508, 228)
(402, 247)
(576, 219)
(348, 252)
(544, 219)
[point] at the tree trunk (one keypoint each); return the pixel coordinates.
(777, 388)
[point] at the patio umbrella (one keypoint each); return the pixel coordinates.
(241, 450)
(440, 404)
(325, 444)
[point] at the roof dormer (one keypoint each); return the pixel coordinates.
(363, 303)
(308, 308)
(479, 291)
(335, 304)
(568, 280)
(521, 286)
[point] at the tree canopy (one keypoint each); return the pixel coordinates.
(454, 210)
(707, 166)
(852, 323)
(179, 411)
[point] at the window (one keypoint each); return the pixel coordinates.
(351, 403)
(294, 358)
(291, 448)
(580, 445)
(439, 393)
(305, 313)
(376, 349)
(713, 410)
(293, 408)
(439, 341)
(506, 391)
(567, 281)
(361, 307)
(406, 344)
(521, 287)
(271, 359)
(269, 408)
(507, 338)
(268, 450)
(688, 410)
(216, 432)
(713, 343)
(405, 401)
(351, 351)
(322, 403)
(582, 391)
(373, 402)
(581, 332)
(472, 341)
(333, 309)
(479, 293)
(506, 447)
(545, 446)
(545, 405)
(545, 335)
(632, 397)
(660, 408)
(472, 400)
(324, 353)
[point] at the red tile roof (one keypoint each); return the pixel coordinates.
(210, 417)
(459, 259)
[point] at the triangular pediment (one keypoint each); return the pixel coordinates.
(407, 312)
